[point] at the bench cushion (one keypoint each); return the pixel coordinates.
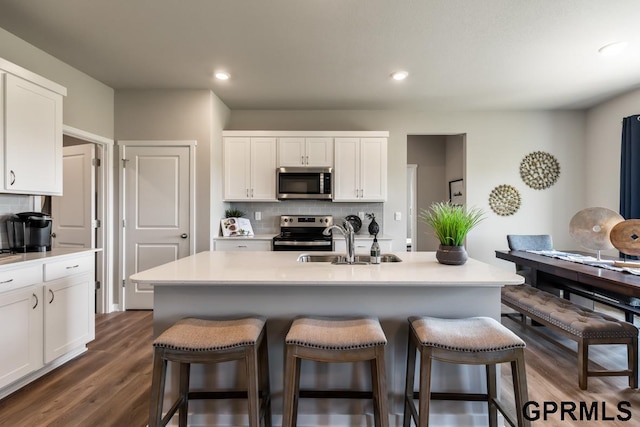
(573, 318)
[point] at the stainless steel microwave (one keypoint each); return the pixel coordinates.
(304, 183)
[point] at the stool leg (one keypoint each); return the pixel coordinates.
(492, 392)
(583, 364)
(632, 361)
(425, 386)
(409, 381)
(379, 383)
(184, 394)
(253, 396)
(520, 392)
(265, 383)
(157, 387)
(291, 387)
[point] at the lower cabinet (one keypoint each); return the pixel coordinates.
(46, 313)
(242, 245)
(21, 333)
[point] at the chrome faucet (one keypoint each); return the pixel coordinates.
(349, 236)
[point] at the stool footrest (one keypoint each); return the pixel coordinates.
(335, 394)
(472, 397)
(226, 394)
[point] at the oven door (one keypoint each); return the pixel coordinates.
(303, 245)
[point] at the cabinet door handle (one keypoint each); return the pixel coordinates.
(247, 193)
(36, 304)
(307, 162)
(53, 296)
(242, 246)
(6, 281)
(302, 160)
(252, 193)
(13, 177)
(73, 266)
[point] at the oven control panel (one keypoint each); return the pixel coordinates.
(322, 221)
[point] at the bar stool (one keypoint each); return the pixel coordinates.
(472, 341)
(335, 339)
(212, 341)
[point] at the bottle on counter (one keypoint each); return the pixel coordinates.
(375, 251)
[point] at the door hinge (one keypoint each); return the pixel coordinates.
(96, 162)
(123, 283)
(97, 285)
(124, 162)
(96, 223)
(124, 223)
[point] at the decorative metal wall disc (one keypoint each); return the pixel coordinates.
(625, 237)
(539, 170)
(591, 227)
(504, 200)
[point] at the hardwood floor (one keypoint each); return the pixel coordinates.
(109, 384)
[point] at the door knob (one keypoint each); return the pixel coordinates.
(53, 235)
(184, 235)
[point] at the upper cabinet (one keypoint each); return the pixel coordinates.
(250, 169)
(31, 127)
(360, 173)
(302, 152)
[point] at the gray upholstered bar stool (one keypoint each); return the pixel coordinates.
(332, 340)
(472, 341)
(212, 341)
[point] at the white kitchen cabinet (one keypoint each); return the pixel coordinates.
(362, 245)
(21, 333)
(250, 169)
(241, 244)
(32, 144)
(360, 173)
(305, 152)
(69, 320)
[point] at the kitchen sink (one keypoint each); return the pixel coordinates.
(342, 260)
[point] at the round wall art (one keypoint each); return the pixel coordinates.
(539, 170)
(504, 200)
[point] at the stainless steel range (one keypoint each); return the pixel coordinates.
(303, 233)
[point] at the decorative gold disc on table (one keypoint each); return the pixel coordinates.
(625, 237)
(591, 227)
(504, 200)
(539, 170)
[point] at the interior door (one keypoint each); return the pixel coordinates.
(73, 213)
(157, 213)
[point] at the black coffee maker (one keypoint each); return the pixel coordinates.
(29, 232)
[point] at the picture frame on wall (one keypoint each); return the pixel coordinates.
(456, 191)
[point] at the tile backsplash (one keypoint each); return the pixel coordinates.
(10, 204)
(270, 222)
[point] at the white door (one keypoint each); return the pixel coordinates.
(157, 213)
(73, 213)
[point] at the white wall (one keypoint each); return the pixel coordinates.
(88, 105)
(496, 143)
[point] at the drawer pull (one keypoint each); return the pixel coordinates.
(6, 281)
(73, 266)
(36, 304)
(53, 296)
(242, 246)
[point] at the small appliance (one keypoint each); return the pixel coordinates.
(304, 183)
(29, 232)
(303, 233)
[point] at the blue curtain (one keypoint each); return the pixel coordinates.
(630, 168)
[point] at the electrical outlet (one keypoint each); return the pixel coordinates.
(257, 216)
(361, 215)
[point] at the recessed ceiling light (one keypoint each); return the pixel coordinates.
(221, 75)
(613, 48)
(399, 75)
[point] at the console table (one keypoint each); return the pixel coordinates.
(580, 279)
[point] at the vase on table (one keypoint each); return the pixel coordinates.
(451, 255)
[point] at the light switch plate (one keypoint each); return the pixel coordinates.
(257, 216)
(397, 216)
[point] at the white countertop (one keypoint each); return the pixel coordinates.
(8, 261)
(281, 268)
(254, 237)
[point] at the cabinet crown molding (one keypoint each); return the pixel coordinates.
(307, 133)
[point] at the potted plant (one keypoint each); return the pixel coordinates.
(451, 223)
(233, 213)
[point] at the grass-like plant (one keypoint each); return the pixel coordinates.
(233, 213)
(450, 222)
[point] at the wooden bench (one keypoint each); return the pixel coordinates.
(578, 323)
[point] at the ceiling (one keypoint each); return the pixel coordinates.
(339, 54)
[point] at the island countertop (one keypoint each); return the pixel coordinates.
(282, 268)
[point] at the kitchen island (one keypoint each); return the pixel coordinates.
(276, 285)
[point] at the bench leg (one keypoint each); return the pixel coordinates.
(583, 364)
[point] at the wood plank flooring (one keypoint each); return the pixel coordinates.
(109, 384)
